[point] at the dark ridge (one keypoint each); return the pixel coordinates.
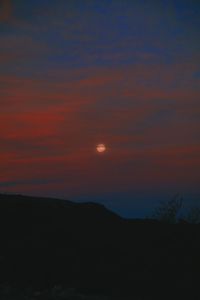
(84, 246)
(38, 202)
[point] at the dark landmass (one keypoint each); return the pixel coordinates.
(57, 249)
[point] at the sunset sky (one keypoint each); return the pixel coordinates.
(78, 73)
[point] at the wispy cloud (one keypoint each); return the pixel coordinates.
(73, 76)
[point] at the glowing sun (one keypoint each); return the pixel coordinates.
(101, 148)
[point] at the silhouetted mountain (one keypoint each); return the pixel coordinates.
(50, 241)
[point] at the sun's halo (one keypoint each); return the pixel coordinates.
(101, 148)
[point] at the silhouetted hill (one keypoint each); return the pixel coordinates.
(51, 241)
(44, 220)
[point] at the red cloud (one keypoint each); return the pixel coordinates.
(6, 10)
(49, 129)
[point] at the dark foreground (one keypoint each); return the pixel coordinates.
(55, 249)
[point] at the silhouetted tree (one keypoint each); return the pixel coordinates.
(168, 211)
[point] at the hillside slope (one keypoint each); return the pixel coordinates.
(51, 241)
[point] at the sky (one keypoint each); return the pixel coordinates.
(123, 73)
